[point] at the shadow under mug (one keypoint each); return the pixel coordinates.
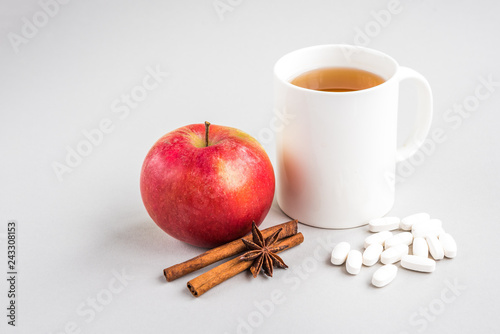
(337, 152)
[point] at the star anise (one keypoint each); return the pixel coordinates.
(262, 252)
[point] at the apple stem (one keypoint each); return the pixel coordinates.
(207, 125)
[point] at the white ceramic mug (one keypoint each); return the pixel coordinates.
(337, 153)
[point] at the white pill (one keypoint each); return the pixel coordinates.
(427, 232)
(393, 254)
(384, 275)
(408, 222)
(430, 227)
(420, 247)
(427, 223)
(435, 247)
(405, 238)
(384, 224)
(339, 253)
(371, 255)
(449, 245)
(377, 238)
(354, 261)
(418, 263)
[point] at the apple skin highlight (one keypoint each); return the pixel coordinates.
(207, 195)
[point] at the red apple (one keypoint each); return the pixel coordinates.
(205, 184)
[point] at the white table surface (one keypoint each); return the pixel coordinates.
(76, 235)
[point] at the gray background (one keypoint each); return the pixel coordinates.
(75, 235)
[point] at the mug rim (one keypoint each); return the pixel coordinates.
(347, 46)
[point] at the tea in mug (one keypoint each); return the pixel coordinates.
(337, 79)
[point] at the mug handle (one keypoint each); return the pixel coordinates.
(424, 113)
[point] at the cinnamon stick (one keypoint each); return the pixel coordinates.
(201, 284)
(222, 252)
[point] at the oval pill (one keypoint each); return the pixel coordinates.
(371, 255)
(339, 253)
(435, 247)
(384, 275)
(407, 222)
(420, 247)
(422, 233)
(430, 227)
(384, 224)
(418, 263)
(449, 245)
(354, 261)
(378, 238)
(393, 254)
(400, 238)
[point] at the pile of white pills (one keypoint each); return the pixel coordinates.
(423, 234)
